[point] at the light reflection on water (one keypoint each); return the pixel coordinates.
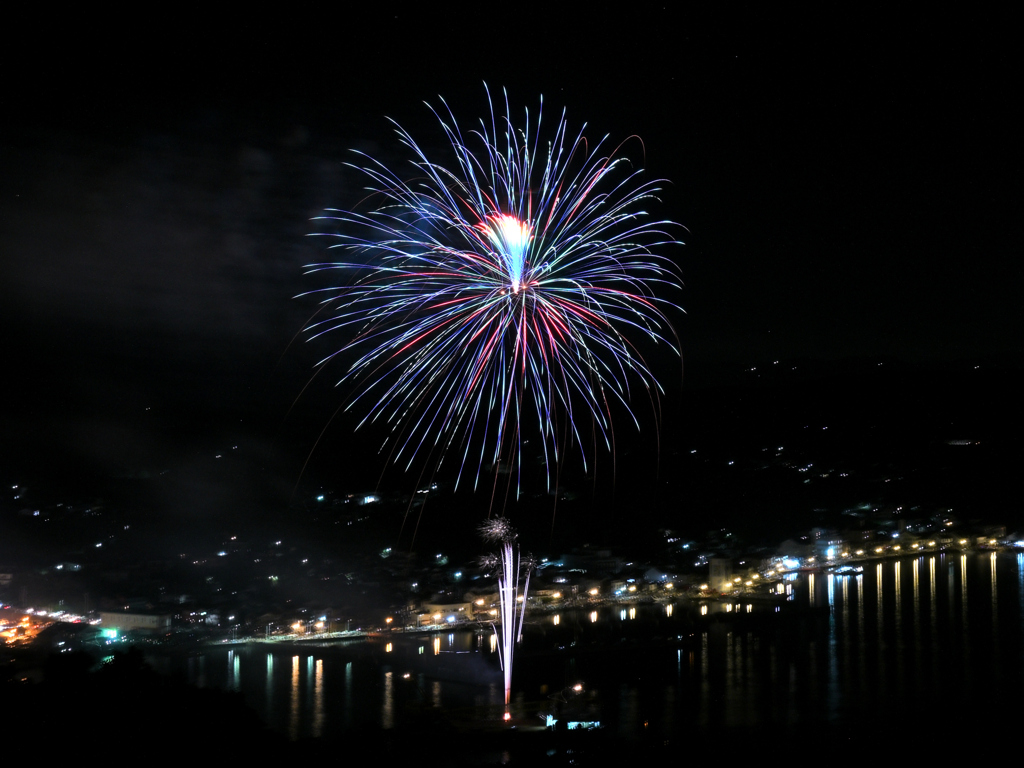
(884, 644)
(387, 719)
(318, 699)
(293, 710)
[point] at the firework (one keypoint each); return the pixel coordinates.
(500, 296)
(509, 569)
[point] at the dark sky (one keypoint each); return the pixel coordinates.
(849, 180)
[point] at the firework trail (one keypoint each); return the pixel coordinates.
(502, 292)
(509, 569)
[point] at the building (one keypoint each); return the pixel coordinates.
(134, 622)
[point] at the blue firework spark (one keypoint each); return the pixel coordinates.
(507, 287)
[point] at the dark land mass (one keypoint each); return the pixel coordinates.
(791, 445)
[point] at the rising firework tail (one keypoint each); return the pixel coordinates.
(511, 570)
(503, 294)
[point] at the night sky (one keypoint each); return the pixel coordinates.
(849, 182)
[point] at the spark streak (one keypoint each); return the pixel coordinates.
(510, 569)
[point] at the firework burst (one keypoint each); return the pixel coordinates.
(502, 294)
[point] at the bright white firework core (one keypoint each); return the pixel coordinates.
(511, 238)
